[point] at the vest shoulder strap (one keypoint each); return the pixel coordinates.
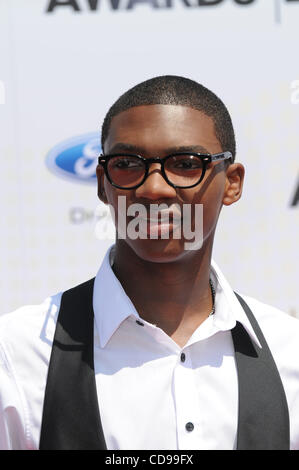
(71, 418)
(263, 421)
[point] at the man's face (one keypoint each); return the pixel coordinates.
(157, 131)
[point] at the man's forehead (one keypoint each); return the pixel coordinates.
(160, 111)
(125, 147)
(164, 127)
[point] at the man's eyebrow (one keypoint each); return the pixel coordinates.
(188, 148)
(126, 147)
(122, 147)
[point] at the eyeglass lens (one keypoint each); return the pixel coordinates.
(181, 170)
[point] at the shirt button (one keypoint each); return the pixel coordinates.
(189, 427)
(183, 357)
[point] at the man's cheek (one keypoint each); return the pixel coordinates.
(118, 210)
(193, 226)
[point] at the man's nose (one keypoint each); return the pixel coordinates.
(155, 186)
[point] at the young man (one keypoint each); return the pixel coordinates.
(156, 352)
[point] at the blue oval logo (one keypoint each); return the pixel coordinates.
(76, 158)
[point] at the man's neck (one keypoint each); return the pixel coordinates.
(174, 296)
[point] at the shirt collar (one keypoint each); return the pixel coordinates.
(112, 305)
(228, 309)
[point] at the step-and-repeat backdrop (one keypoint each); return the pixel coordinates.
(63, 63)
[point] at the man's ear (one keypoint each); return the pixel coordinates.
(101, 189)
(234, 183)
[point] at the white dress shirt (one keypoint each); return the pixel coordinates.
(146, 392)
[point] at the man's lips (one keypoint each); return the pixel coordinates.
(160, 216)
(158, 226)
(160, 220)
(155, 221)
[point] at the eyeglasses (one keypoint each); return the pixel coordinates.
(180, 170)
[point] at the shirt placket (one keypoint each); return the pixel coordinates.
(186, 403)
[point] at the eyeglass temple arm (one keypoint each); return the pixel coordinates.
(221, 156)
(214, 158)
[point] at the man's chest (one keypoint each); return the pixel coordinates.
(153, 395)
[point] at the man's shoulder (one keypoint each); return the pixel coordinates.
(281, 330)
(30, 323)
(265, 312)
(36, 322)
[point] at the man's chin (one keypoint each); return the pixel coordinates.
(158, 250)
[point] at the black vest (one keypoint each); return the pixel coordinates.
(71, 417)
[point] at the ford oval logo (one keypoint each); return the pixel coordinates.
(76, 158)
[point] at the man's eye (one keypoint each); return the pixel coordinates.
(121, 164)
(126, 163)
(187, 164)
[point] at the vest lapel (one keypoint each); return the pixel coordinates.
(71, 418)
(263, 422)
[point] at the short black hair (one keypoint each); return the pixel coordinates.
(175, 90)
